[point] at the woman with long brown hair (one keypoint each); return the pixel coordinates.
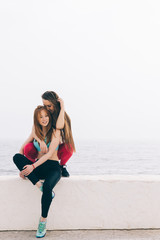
(61, 121)
(46, 165)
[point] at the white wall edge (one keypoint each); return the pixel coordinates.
(83, 202)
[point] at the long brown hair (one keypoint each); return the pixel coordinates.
(38, 127)
(66, 132)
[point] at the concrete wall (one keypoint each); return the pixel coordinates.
(83, 202)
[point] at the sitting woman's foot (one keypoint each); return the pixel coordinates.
(65, 173)
(41, 231)
(53, 193)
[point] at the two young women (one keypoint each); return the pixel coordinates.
(47, 165)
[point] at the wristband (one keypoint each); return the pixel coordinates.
(33, 166)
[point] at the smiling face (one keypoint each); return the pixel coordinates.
(43, 123)
(43, 118)
(48, 105)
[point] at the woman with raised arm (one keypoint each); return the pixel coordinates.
(46, 165)
(61, 121)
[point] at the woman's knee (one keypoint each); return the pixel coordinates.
(47, 187)
(52, 180)
(16, 157)
(57, 175)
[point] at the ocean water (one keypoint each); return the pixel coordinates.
(97, 157)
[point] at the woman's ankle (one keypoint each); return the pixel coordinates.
(39, 184)
(43, 219)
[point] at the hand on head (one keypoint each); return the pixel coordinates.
(60, 100)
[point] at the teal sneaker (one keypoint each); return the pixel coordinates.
(41, 231)
(53, 193)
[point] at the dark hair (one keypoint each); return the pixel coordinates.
(53, 98)
(66, 132)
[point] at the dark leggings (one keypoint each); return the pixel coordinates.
(49, 171)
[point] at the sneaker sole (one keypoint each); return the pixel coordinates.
(42, 236)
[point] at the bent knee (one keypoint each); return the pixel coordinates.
(47, 187)
(50, 183)
(57, 175)
(16, 157)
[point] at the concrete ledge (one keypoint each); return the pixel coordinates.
(85, 235)
(83, 202)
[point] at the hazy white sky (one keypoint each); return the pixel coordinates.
(102, 57)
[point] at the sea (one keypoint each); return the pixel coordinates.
(97, 157)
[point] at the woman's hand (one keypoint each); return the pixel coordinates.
(22, 176)
(60, 100)
(43, 147)
(27, 169)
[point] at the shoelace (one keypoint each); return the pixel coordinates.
(41, 227)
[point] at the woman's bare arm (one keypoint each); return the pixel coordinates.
(29, 139)
(60, 120)
(52, 148)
